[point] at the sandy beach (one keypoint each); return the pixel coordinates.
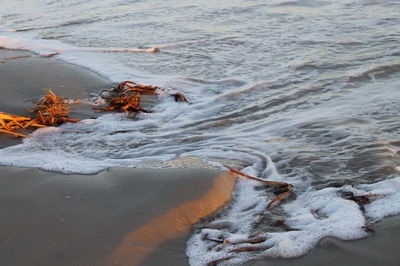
(117, 217)
(122, 216)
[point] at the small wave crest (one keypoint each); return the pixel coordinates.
(374, 72)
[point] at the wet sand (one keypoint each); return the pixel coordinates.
(25, 76)
(117, 217)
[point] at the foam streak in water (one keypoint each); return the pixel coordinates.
(49, 46)
(312, 216)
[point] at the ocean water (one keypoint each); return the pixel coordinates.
(302, 91)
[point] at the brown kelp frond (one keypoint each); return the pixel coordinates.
(52, 110)
(280, 197)
(126, 97)
(215, 262)
(11, 124)
(285, 189)
(126, 88)
(271, 183)
(127, 104)
(246, 249)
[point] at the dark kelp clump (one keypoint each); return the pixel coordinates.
(50, 110)
(53, 110)
(127, 97)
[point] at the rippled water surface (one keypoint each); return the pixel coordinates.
(313, 85)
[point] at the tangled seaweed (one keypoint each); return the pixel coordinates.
(11, 124)
(50, 110)
(53, 110)
(127, 96)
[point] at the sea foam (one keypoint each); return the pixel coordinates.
(310, 217)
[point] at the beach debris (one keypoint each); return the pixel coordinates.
(11, 124)
(16, 57)
(236, 248)
(246, 249)
(368, 228)
(362, 199)
(215, 262)
(224, 241)
(127, 87)
(50, 54)
(50, 110)
(127, 104)
(271, 183)
(278, 199)
(283, 226)
(254, 242)
(127, 96)
(285, 189)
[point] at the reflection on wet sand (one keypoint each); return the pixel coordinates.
(177, 222)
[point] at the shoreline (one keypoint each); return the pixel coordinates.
(57, 219)
(60, 219)
(25, 77)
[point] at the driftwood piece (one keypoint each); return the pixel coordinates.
(271, 183)
(255, 240)
(215, 262)
(246, 249)
(286, 188)
(280, 197)
(16, 57)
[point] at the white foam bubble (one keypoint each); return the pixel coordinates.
(388, 203)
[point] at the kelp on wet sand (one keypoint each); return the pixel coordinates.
(53, 110)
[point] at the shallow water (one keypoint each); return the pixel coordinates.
(311, 85)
